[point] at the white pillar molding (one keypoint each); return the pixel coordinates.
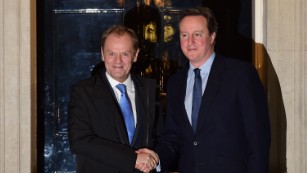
(258, 21)
(16, 83)
(1, 88)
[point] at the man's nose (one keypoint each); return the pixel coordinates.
(118, 58)
(191, 39)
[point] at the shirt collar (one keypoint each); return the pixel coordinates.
(205, 68)
(113, 82)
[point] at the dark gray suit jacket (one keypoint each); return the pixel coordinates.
(233, 129)
(97, 132)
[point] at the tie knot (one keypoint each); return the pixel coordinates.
(122, 88)
(197, 72)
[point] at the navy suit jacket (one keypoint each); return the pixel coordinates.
(233, 130)
(96, 128)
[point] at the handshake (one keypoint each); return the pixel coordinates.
(147, 160)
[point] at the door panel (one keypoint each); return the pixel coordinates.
(76, 51)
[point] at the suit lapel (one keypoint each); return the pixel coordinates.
(104, 95)
(139, 95)
(181, 85)
(213, 85)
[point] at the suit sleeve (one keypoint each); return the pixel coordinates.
(156, 121)
(168, 143)
(84, 142)
(254, 108)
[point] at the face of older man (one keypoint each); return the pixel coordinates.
(118, 55)
(196, 42)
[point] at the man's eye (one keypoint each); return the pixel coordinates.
(196, 35)
(184, 36)
(111, 54)
(125, 54)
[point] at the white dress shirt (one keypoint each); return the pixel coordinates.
(204, 73)
(130, 91)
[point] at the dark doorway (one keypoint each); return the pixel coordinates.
(234, 37)
(69, 49)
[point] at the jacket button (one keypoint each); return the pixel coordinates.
(195, 143)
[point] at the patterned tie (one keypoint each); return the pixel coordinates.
(197, 94)
(126, 108)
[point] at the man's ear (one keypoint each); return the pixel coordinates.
(136, 55)
(102, 57)
(213, 36)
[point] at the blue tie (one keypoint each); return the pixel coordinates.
(197, 95)
(126, 108)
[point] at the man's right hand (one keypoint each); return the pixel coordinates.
(146, 160)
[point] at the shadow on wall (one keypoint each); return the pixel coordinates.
(278, 122)
(277, 112)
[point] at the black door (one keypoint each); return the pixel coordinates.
(69, 34)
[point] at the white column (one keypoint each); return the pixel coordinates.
(258, 21)
(17, 65)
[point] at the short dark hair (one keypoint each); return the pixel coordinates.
(205, 12)
(120, 30)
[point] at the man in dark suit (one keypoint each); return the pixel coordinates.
(227, 130)
(103, 133)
